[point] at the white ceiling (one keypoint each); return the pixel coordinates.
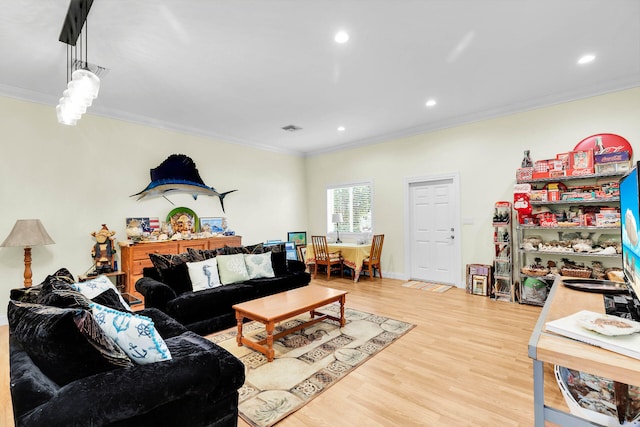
(240, 70)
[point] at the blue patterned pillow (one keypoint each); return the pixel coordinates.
(94, 287)
(134, 334)
(204, 274)
(259, 265)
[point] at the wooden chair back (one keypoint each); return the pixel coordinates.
(376, 249)
(320, 248)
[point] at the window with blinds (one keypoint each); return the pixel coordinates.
(354, 202)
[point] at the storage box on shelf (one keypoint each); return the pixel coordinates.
(135, 257)
(502, 286)
(576, 232)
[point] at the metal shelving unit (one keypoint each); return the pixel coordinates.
(525, 257)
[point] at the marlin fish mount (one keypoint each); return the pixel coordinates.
(178, 174)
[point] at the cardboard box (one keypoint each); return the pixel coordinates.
(541, 166)
(539, 175)
(620, 156)
(538, 196)
(608, 219)
(564, 158)
(553, 195)
(524, 174)
(613, 167)
(581, 162)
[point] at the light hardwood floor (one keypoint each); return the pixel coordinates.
(464, 364)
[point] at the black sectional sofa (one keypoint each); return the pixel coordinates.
(167, 287)
(64, 372)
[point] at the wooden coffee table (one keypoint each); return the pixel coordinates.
(285, 305)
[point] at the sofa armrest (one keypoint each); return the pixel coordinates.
(156, 294)
(295, 266)
(125, 393)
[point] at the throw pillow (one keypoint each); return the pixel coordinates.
(278, 258)
(134, 334)
(65, 343)
(163, 262)
(232, 268)
(94, 287)
(201, 254)
(259, 265)
(177, 278)
(57, 293)
(204, 274)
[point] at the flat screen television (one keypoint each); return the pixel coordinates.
(629, 221)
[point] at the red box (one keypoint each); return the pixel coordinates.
(541, 166)
(564, 158)
(553, 195)
(581, 161)
(523, 174)
(538, 175)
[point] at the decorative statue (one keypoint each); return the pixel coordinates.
(104, 250)
(526, 161)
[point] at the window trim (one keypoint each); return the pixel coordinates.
(330, 227)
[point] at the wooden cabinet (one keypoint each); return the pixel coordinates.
(135, 257)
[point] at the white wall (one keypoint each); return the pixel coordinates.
(76, 178)
(486, 154)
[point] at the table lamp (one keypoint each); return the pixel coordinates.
(337, 218)
(27, 233)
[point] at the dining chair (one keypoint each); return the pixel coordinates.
(372, 262)
(324, 258)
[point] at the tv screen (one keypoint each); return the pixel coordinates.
(629, 221)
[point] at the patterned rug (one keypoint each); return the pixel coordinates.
(306, 362)
(426, 286)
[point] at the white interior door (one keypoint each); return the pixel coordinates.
(434, 253)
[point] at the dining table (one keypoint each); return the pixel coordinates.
(353, 255)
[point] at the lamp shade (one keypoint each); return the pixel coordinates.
(336, 217)
(28, 233)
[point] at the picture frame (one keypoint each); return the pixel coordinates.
(212, 224)
(297, 237)
(479, 285)
(302, 253)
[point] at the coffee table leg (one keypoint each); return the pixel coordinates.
(270, 353)
(343, 322)
(239, 318)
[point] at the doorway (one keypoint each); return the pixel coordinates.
(432, 221)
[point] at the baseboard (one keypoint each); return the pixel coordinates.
(4, 320)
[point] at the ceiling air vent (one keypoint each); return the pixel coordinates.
(292, 128)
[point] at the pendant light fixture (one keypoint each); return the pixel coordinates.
(83, 82)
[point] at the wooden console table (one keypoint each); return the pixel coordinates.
(135, 257)
(547, 347)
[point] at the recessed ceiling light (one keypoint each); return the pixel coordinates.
(340, 128)
(586, 59)
(341, 37)
(430, 103)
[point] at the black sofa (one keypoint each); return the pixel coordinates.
(168, 289)
(197, 387)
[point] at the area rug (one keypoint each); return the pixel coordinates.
(426, 286)
(306, 362)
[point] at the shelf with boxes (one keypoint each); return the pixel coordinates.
(502, 286)
(568, 211)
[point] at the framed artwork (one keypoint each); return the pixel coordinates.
(297, 237)
(212, 224)
(302, 252)
(479, 284)
(291, 252)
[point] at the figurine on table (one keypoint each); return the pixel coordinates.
(104, 250)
